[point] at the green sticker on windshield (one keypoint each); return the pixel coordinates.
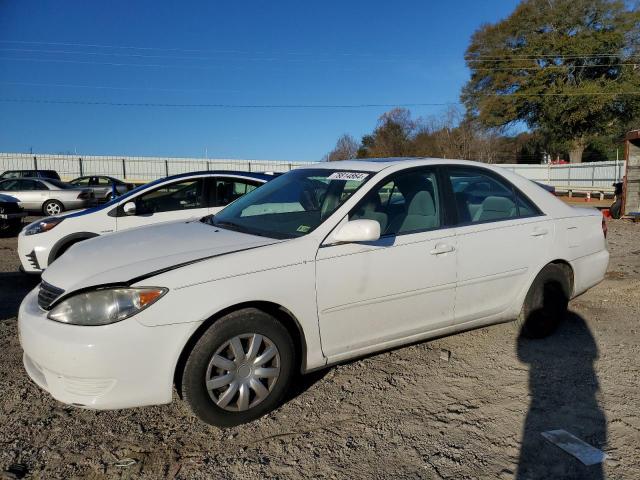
(303, 228)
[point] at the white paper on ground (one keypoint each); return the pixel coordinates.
(571, 444)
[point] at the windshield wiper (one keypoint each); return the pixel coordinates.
(208, 219)
(228, 225)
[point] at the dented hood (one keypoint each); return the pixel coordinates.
(125, 256)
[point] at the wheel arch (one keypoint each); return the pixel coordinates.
(568, 272)
(51, 200)
(282, 314)
(65, 242)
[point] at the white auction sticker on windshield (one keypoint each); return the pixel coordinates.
(355, 176)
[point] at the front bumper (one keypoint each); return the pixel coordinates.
(34, 256)
(12, 216)
(121, 365)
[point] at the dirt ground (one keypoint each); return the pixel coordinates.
(468, 406)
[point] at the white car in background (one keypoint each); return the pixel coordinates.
(184, 196)
(320, 265)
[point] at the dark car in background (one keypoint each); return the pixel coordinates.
(52, 174)
(11, 214)
(104, 188)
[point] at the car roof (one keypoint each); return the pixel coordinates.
(379, 164)
(257, 175)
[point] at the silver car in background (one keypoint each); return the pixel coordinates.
(47, 196)
(104, 188)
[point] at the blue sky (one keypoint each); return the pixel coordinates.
(213, 52)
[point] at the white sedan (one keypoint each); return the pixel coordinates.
(318, 266)
(178, 197)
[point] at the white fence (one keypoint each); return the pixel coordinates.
(597, 174)
(574, 175)
(136, 169)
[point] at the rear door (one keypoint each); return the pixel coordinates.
(178, 200)
(501, 237)
(32, 194)
(224, 190)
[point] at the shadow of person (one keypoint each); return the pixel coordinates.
(14, 286)
(564, 388)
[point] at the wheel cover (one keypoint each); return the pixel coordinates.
(242, 372)
(53, 208)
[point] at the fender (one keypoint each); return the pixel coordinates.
(64, 241)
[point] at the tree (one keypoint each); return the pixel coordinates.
(346, 148)
(392, 136)
(565, 67)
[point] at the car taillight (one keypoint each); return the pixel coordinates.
(605, 228)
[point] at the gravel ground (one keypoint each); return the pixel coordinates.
(468, 406)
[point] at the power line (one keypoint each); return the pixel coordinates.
(479, 58)
(290, 106)
(106, 87)
(554, 67)
(184, 50)
(268, 58)
(221, 105)
(220, 66)
(113, 64)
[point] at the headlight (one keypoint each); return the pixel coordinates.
(101, 307)
(42, 225)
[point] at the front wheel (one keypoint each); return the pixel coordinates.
(240, 369)
(52, 208)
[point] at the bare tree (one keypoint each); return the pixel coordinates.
(346, 148)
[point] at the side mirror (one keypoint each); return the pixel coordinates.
(358, 231)
(129, 208)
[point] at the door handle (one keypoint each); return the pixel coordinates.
(441, 248)
(539, 232)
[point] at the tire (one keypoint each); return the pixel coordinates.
(10, 227)
(223, 405)
(52, 208)
(545, 305)
(616, 209)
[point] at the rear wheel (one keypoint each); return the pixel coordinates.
(545, 305)
(240, 369)
(52, 208)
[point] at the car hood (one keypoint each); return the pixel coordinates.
(128, 256)
(8, 199)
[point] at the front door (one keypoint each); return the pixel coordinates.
(180, 200)
(371, 294)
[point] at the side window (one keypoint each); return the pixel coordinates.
(525, 207)
(10, 186)
(103, 181)
(226, 190)
(481, 197)
(39, 186)
(84, 181)
(184, 195)
(29, 185)
(11, 175)
(406, 202)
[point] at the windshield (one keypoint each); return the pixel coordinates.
(291, 205)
